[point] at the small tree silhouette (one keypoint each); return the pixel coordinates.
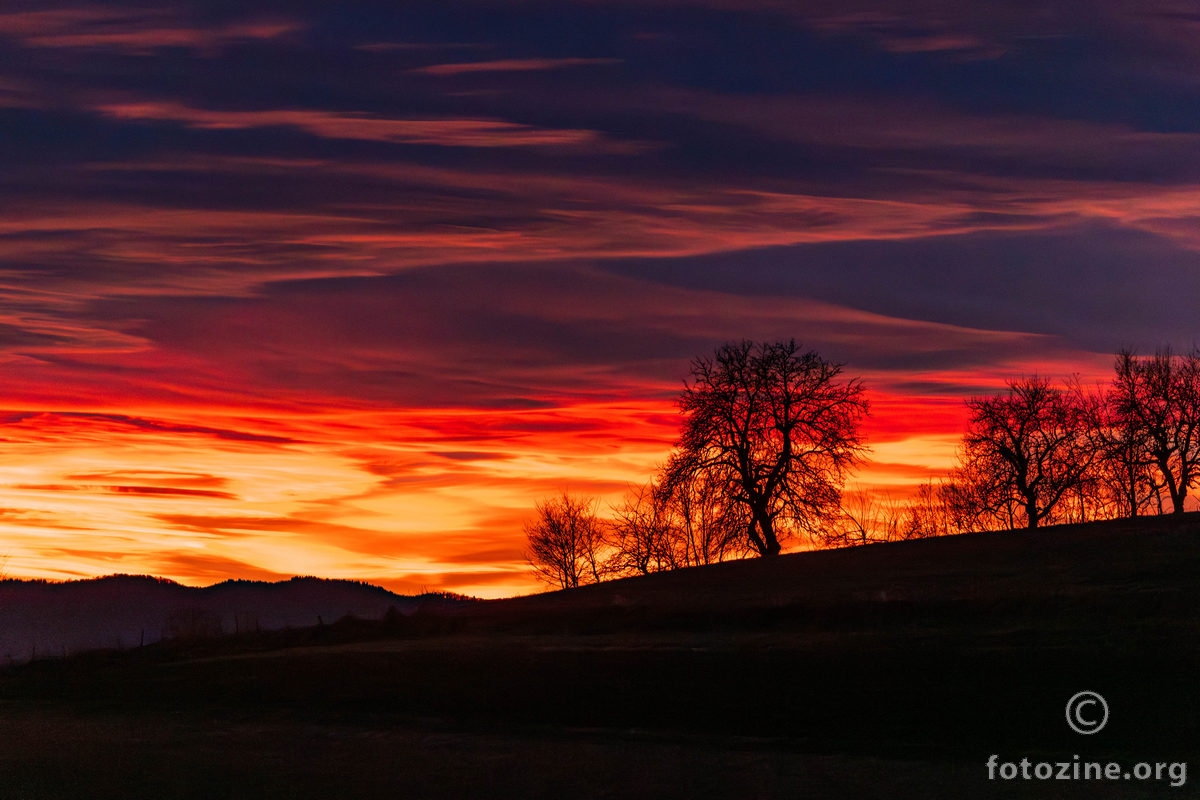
(866, 517)
(566, 542)
(691, 524)
(930, 512)
(642, 533)
(1157, 400)
(1024, 451)
(708, 525)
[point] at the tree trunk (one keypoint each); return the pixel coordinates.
(767, 527)
(755, 539)
(1176, 490)
(1185, 481)
(1178, 497)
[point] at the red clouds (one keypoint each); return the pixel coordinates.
(393, 427)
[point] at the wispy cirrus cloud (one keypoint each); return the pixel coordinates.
(907, 33)
(151, 491)
(888, 135)
(136, 30)
(450, 132)
(207, 568)
(151, 477)
(176, 428)
(511, 65)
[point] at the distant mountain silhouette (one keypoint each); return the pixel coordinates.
(46, 619)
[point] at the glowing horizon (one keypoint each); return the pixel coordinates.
(413, 500)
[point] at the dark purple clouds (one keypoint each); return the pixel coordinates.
(208, 150)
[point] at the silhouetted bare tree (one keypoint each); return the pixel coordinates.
(708, 526)
(566, 542)
(774, 430)
(867, 517)
(1126, 471)
(1024, 452)
(654, 529)
(1157, 400)
(977, 497)
(928, 513)
(1088, 499)
(642, 533)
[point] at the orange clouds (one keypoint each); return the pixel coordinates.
(393, 504)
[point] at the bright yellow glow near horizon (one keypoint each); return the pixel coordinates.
(412, 500)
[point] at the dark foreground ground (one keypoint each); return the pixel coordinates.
(889, 671)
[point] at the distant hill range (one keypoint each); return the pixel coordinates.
(40, 619)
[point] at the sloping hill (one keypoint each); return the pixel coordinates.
(1137, 571)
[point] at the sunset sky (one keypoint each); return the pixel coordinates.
(343, 289)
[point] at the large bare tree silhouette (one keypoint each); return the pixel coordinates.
(774, 429)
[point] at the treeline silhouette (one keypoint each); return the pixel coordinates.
(770, 433)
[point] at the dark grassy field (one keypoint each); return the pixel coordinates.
(887, 671)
